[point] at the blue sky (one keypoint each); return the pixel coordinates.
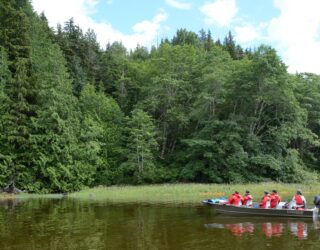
(292, 27)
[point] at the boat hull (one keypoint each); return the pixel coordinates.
(233, 210)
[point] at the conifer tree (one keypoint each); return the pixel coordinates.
(141, 144)
(14, 27)
(5, 78)
(100, 136)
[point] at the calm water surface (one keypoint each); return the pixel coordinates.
(71, 224)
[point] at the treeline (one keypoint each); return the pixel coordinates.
(189, 110)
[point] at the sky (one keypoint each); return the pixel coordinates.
(292, 27)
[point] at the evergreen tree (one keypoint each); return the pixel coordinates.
(184, 37)
(114, 64)
(139, 166)
(14, 27)
(197, 110)
(54, 128)
(209, 41)
(82, 53)
(235, 51)
(5, 78)
(101, 120)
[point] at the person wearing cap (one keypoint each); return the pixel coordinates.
(265, 201)
(247, 199)
(234, 199)
(300, 201)
(275, 199)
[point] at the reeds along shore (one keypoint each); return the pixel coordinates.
(190, 193)
(178, 193)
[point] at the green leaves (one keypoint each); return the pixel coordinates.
(101, 120)
(141, 146)
(196, 110)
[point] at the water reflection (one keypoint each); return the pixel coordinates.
(54, 224)
(299, 229)
(269, 229)
(272, 229)
(236, 229)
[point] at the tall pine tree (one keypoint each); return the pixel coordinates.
(14, 27)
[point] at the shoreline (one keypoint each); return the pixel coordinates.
(175, 193)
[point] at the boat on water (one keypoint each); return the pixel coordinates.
(254, 211)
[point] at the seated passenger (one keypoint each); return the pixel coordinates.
(300, 201)
(234, 199)
(247, 199)
(316, 201)
(274, 199)
(265, 201)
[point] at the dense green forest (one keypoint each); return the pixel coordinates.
(192, 109)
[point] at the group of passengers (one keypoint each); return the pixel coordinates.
(271, 200)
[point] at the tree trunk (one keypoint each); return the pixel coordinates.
(164, 141)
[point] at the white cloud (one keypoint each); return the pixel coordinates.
(295, 32)
(144, 33)
(246, 33)
(179, 4)
(220, 12)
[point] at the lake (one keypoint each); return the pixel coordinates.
(65, 223)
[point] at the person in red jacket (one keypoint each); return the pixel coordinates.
(230, 199)
(274, 199)
(300, 201)
(265, 201)
(247, 199)
(234, 199)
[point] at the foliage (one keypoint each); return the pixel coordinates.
(192, 109)
(141, 144)
(5, 77)
(101, 121)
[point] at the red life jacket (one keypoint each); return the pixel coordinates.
(298, 199)
(230, 199)
(236, 199)
(246, 198)
(274, 200)
(264, 201)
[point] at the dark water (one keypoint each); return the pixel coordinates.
(70, 224)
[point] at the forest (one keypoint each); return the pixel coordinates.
(76, 114)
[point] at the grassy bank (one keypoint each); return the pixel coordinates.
(177, 193)
(189, 193)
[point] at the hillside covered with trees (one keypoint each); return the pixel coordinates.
(192, 109)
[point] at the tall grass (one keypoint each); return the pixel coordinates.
(190, 193)
(179, 193)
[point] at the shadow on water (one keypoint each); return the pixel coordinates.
(65, 223)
